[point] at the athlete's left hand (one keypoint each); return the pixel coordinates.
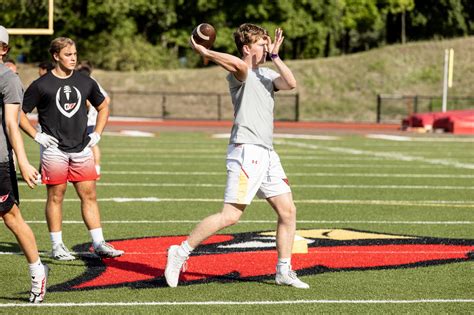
(29, 174)
(274, 48)
(94, 139)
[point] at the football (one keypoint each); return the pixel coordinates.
(204, 34)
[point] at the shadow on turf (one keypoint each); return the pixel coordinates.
(12, 299)
(10, 247)
(95, 267)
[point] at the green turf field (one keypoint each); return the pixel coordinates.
(154, 190)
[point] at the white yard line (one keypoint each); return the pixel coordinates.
(269, 222)
(419, 139)
(321, 251)
(430, 203)
(208, 185)
(385, 187)
(222, 157)
(387, 155)
(296, 186)
(285, 136)
(321, 165)
(307, 174)
(220, 303)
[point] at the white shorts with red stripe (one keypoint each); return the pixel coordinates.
(59, 167)
(253, 170)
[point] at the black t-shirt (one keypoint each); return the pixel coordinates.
(62, 110)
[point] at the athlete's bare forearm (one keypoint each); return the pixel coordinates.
(287, 80)
(26, 125)
(103, 112)
(14, 135)
(28, 172)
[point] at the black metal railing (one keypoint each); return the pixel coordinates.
(391, 108)
(190, 105)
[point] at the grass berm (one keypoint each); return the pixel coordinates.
(342, 88)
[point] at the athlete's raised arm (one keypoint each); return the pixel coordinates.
(233, 64)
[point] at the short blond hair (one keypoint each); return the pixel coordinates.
(247, 34)
(59, 43)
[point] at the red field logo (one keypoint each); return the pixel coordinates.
(252, 257)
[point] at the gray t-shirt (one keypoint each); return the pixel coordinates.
(11, 92)
(253, 102)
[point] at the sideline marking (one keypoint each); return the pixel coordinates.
(336, 165)
(222, 157)
(421, 139)
(284, 136)
(27, 305)
(320, 174)
(389, 155)
(130, 133)
(430, 203)
(109, 184)
(294, 186)
(270, 222)
(377, 252)
(388, 137)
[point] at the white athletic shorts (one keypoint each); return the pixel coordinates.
(59, 167)
(253, 170)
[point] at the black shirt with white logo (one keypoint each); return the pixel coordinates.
(62, 110)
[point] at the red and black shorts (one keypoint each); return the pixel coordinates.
(8, 187)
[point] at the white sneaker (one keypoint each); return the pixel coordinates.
(173, 266)
(106, 250)
(60, 252)
(290, 279)
(38, 287)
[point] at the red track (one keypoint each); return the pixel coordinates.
(115, 124)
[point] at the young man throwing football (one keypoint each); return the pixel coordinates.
(253, 167)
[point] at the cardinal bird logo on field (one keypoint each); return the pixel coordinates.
(252, 257)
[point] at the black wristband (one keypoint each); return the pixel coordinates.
(274, 56)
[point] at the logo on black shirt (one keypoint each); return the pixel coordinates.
(68, 100)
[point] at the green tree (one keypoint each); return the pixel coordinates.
(362, 25)
(440, 19)
(154, 34)
(401, 7)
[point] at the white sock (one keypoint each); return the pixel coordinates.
(97, 169)
(284, 265)
(97, 237)
(56, 238)
(36, 269)
(185, 250)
